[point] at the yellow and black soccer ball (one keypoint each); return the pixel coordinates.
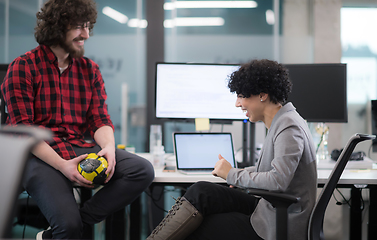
(93, 168)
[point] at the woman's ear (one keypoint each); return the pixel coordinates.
(263, 97)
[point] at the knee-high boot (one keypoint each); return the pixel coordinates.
(182, 219)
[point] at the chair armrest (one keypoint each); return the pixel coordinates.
(277, 199)
(38, 134)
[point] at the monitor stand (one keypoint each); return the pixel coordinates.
(248, 144)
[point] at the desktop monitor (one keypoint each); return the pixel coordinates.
(319, 91)
(197, 90)
(193, 90)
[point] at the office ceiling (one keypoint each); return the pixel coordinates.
(236, 21)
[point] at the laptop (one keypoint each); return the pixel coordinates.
(197, 153)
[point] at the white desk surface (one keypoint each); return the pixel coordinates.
(350, 175)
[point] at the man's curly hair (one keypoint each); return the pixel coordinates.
(57, 16)
(261, 76)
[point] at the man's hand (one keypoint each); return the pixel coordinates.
(104, 137)
(109, 154)
(69, 169)
(222, 168)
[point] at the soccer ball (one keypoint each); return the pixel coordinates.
(93, 168)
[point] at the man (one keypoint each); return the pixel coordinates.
(53, 86)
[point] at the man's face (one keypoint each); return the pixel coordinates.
(74, 40)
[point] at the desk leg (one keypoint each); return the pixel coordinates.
(115, 226)
(372, 223)
(158, 214)
(356, 214)
(86, 194)
(135, 224)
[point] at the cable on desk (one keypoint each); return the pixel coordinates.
(348, 201)
(338, 202)
(149, 193)
(155, 200)
(364, 214)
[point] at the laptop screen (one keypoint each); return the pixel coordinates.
(199, 151)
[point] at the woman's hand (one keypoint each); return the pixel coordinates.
(222, 168)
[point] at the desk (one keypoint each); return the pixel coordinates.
(349, 178)
(352, 178)
(356, 179)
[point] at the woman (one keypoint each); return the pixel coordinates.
(287, 164)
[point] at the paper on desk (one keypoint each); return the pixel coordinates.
(201, 124)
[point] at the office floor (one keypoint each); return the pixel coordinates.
(18, 232)
(28, 232)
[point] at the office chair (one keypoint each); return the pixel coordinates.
(282, 201)
(27, 211)
(3, 70)
(15, 146)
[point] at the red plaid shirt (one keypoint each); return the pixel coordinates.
(68, 104)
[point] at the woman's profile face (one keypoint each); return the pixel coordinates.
(252, 106)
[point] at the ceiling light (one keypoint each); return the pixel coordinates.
(140, 23)
(114, 14)
(210, 4)
(194, 22)
(270, 17)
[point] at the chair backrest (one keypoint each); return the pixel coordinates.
(15, 146)
(3, 71)
(316, 219)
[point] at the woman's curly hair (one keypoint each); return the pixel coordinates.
(56, 17)
(261, 76)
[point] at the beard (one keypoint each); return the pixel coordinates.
(73, 52)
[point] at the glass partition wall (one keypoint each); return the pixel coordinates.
(200, 32)
(117, 45)
(234, 32)
(127, 49)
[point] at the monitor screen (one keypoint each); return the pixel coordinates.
(188, 91)
(196, 90)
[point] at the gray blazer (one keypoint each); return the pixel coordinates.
(287, 164)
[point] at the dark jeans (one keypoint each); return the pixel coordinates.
(53, 192)
(226, 212)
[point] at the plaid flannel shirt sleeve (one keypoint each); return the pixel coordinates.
(18, 93)
(98, 115)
